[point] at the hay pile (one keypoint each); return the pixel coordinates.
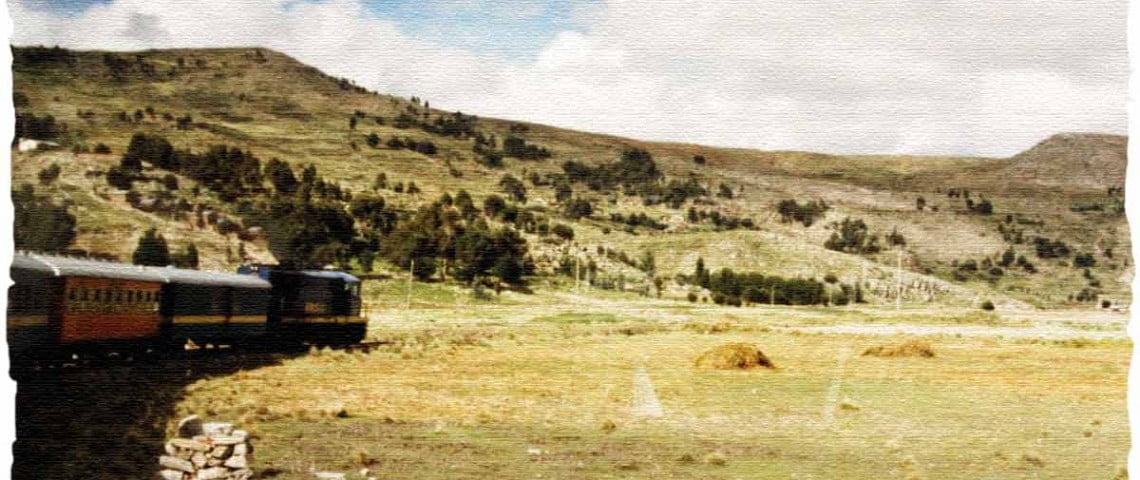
(734, 356)
(909, 348)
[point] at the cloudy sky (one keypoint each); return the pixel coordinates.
(877, 76)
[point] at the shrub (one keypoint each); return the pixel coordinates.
(49, 174)
(909, 348)
(513, 187)
(579, 208)
(988, 306)
(1084, 260)
(562, 231)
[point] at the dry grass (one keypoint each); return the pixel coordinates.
(909, 348)
(734, 356)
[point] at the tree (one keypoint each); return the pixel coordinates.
(152, 149)
(648, 264)
(984, 207)
(1084, 260)
(465, 205)
(40, 225)
(152, 250)
(895, 238)
(170, 182)
(701, 274)
(562, 231)
(305, 234)
(373, 140)
(920, 203)
(49, 174)
(1008, 257)
(513, 187)
(699, 159)
(493, 205)
(579, 208)
(852, 236)
(281, 175)
(562, 190)
(188, 258)
(120, 179)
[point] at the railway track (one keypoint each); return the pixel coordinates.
(87, 360)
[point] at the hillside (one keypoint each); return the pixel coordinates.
(1074, 160)
(269, 106)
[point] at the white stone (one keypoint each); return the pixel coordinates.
(187, 444)
(221, 451)
(217, 428)
(213, 473)
(241, 449)
(237, 462)
(175, 463)
(171, 474)
(243, 474)
(329, 475)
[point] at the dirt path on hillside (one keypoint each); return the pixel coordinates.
(1043, 325)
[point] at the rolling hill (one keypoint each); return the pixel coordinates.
(1061, 192)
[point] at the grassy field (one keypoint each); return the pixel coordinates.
(543, 386)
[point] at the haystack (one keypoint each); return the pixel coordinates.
(734, 356)
(909, 348)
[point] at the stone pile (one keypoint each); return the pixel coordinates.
(207, 451)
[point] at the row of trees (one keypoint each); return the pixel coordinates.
(852, 236)
(806, 213)
(229, 171)
(734, 288)
(634, 172)
(28, 125)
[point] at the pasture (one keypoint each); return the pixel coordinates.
(553, 385)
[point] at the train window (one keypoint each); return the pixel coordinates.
(98, 296)
(73, 294)
(130, 296)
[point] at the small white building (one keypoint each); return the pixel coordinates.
(28, 144)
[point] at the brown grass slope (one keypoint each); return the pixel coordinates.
(1074, 159)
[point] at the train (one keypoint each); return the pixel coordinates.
(62, 306)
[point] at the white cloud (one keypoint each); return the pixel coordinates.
(954, 77)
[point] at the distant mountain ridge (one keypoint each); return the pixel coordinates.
(1092, 160)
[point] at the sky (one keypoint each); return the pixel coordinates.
(939, 77)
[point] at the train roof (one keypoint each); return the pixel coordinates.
(58, 266)
(323, 274)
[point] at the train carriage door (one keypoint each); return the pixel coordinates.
(228, 304)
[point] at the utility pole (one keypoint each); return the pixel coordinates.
(411, 273)
(898, 280)
(577, 274)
